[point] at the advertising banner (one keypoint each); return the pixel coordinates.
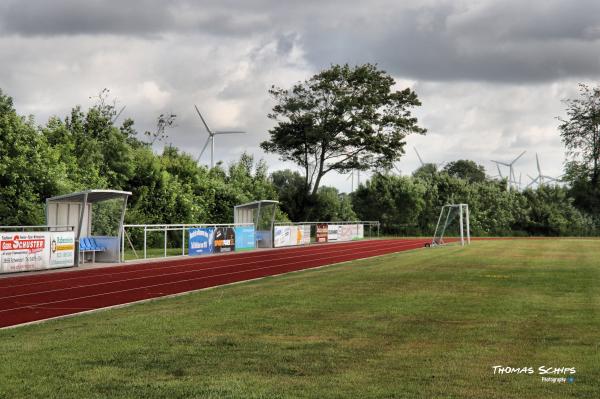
(224, 239)
(25, 251)
(332, 232)
(292, 235)
(201, 241)
(62, 249)
(286, 236)
(245, 238)
(322, 231)
(360, 232)
(346, 232)
(304, 234)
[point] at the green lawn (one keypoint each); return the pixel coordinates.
(421, 324)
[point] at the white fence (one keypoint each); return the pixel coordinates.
(143, 238)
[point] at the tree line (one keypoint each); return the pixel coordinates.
(342, 119)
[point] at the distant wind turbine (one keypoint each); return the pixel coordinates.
(211, 138)
(512, 180)
(437, 165)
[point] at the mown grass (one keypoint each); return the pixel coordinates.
(422, 324)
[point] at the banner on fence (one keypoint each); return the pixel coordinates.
(286, 236)
(62, 249)
(201, 241)
(224, 239)
(346, 232)
(332, 232)
(322, 230)
(245, 238)
(24, 251)
(304, 234)
(360, 232)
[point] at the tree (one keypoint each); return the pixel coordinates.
(289, 185)
(30, 170)
(396, 201)
(467, 170)
(580, 132)
(341, 119)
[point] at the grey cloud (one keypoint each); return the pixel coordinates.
(66, 17)
(507, 41)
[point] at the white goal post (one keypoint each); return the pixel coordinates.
(452, 216)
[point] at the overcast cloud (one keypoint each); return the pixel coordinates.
(490, 74)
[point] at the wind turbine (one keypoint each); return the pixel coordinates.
(541, 178)
(512, 180)
(114, 119)
(211, 138)
(437, 165)
(351, 176)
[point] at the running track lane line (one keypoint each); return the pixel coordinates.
(106, 278)
(36, 311)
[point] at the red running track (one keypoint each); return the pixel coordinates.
(29, 298)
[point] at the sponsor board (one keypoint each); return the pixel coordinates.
(62, 249)
(291, 235)
(322, 231)
(224, 239)
(360, 232)
(245, 237)
(285, 236)
(304, 234)
(201, 241)
(25, 251)
(346, 232)
(332, 232)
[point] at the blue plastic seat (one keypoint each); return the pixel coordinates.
(95, 245)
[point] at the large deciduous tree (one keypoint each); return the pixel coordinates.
(341, 119)
(467, 170)
(580, 132)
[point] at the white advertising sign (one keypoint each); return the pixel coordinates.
(332, 232)
(360, 232)
(24, 251)
(304, 234)
(346, 232)
(292, 235)
(62, 249)
(282, 236)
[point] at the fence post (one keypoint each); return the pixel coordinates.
(145, 233)
(165, 241)
(183, 240)
(122, 246)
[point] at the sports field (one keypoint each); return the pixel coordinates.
(424, 323)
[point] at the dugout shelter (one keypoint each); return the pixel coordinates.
(76, 209)
(262, 215)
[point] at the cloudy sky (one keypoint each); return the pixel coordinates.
(491, 74)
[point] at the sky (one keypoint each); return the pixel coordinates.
(491, 75)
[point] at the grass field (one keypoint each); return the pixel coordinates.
(421, 324)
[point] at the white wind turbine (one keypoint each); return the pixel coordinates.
(211, 138)
(351, 176)
(540, 178)
(437, 165)
(512, 180)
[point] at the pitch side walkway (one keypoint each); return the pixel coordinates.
(29, 298)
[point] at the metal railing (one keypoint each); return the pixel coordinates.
(40, 227)
(165, 228)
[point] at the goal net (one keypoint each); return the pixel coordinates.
(452, 225)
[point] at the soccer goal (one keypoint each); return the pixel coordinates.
(452, 225)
